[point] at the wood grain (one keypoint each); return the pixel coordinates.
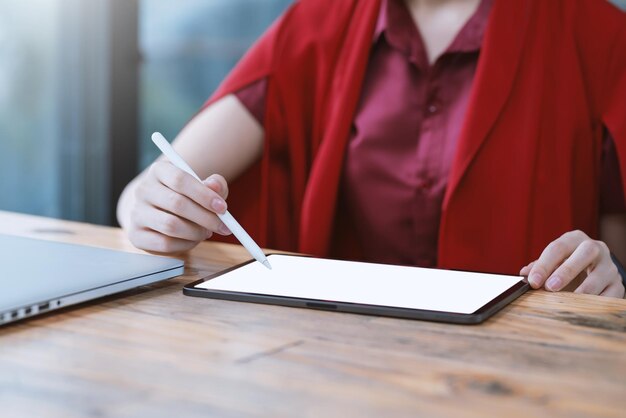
(154, 352)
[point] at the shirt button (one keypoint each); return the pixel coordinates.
(424, 185)
(432, 108)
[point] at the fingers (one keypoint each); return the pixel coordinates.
(149, 217)
(173, 211)
(218, 184)
(182, 183)
(185, 186)
(584, 256)
(167, 200)
(153, 241)
(554, 254)
(599, 279)
(564, 261)
(525, 270)
(614, 290)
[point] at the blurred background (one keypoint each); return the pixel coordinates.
(83, 84)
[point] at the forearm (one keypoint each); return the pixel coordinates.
(222, 139)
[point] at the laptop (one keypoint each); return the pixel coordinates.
(40, 276)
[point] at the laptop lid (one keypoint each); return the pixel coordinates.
(40, 275)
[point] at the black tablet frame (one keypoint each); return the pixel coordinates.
(477, 317)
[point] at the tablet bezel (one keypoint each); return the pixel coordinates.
(477, 317)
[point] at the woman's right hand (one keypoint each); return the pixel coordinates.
(172, 212)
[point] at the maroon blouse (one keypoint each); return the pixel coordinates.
(404, 137)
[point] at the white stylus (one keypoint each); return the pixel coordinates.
(237, 230)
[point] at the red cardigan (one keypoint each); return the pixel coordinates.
(550, 76)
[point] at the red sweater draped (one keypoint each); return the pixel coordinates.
(550, 76)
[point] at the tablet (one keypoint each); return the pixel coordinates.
(364, 288)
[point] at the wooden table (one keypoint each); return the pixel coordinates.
(153, 352)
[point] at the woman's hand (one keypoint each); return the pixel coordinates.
(571, 255)
(172, 212)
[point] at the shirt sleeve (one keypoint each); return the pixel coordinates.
(252, 96)
(611, 188)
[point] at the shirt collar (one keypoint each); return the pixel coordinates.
(396, 24)
(381, 22)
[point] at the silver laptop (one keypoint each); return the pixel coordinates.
(39, 276)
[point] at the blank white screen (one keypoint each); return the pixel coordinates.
(366, 283)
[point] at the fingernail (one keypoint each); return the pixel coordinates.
(535, 279)
(224, 229)
(218, 205)
(554, 283)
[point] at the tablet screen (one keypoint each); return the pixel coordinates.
(365, 283)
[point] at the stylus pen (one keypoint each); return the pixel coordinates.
(237, 230)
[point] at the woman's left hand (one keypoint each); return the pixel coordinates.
(569, 256)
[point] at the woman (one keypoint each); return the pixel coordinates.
(465, 134)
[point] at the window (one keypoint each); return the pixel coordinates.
(72, 130)
(53, 108)
(187, 48)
